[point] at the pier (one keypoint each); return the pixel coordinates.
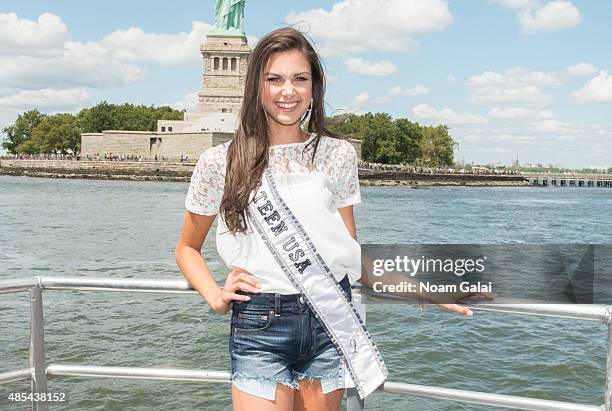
(543, 180)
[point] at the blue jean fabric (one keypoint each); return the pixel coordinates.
(277, 339)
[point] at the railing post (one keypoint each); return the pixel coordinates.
(353, 402)
(608, 392)
(37, 348)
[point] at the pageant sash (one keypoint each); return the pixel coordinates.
(295, 253)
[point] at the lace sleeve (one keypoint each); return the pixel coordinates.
(347, 181)
(206, 187)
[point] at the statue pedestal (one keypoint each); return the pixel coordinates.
(225, 66)
(226, 32)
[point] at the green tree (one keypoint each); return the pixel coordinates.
(409, 140)
(378, 143)
(100, 117)
(348, 124)
(21, 132)
(57, 134)
(106, 116)
(383, 139)
(437, 146)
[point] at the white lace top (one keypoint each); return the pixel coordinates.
(313, 191)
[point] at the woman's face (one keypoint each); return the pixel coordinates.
(287, 87)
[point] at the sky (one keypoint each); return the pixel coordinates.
(526, 79)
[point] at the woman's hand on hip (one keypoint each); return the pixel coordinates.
(237, 279)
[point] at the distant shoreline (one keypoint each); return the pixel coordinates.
(183, 179)
(181, 172)
(445, 183)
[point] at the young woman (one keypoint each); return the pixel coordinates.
(282, 355)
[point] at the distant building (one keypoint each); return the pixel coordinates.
(150, 145)
(225, 63)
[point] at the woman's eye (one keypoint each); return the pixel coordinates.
(301, 78)
(274, 79)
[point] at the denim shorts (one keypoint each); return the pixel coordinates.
(276, 339)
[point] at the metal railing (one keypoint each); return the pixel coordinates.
(39, 369)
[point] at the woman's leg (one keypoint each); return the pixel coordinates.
(310, 397)
(241, 401)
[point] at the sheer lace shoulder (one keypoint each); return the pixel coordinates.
(335, 158)
(341, 166)
(207, 181)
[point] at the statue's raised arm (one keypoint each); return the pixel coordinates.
(228, 17)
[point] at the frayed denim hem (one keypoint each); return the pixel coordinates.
(329, 383)
(262, 387)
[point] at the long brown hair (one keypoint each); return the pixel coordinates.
(247, 155)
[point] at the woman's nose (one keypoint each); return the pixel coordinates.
(288, 89)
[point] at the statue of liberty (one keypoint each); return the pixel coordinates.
(228, 18)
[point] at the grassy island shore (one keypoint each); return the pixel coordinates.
(181, 172)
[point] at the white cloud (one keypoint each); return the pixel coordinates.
(517, 86)
(380, 100)
(528, 95)
(548, 126)
(545, 115)
(581, 69)
(532, 121)
(48, 99)
(188, 103)
(510, 113)
(553, 16)
(79, 64)
(521, 113)
(26, 37)
(362, 98)
(596, 90)
(451, 78)
(353, 26)
(518, 4)
(446, 115)
(516, 76)
(38, 55)
(135, 45)
(418, 90)
(370, 68)
(251, 40)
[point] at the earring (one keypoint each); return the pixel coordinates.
(307, 112)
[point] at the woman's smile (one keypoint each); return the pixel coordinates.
(287, 106)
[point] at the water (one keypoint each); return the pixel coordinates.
(129, 229)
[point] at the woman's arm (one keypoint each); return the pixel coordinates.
(190, 261)
(192, 265)
(349, 220)
(366, 280)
